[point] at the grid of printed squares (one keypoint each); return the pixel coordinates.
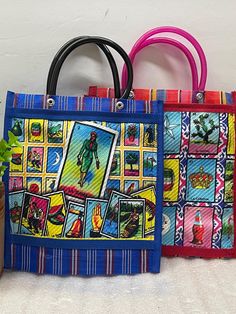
(136, 144)
(35, 165)
(198, 179)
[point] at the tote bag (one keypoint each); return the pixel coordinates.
(78, 196)
(199, 150)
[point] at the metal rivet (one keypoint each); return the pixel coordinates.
(131, 94)
(50, 102)
(199, 96)
(119, 105)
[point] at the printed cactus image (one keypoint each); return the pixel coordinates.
(204, 129)
(204, 133)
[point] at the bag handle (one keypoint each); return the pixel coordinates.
(104, 48)
(171, 29)
(77, 42)
(172, 42)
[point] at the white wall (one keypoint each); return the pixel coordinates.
(32, 31)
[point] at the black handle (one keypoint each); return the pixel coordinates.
(104, 48)
(77, 42)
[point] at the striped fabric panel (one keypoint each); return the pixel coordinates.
(69, 103)
(170, 96)
(80, 262)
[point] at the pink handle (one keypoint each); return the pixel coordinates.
(177, 44)
(137, 47)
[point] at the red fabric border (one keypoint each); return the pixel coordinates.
(184, 251)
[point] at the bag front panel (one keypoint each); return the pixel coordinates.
(199, 154)
(73, 181)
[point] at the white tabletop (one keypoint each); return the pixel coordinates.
(183, 286)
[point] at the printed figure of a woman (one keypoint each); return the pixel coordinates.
(85, 157)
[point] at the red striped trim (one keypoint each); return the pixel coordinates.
(172, 96)
(92, 91)
(186, 96)
(212, 97)
(143, 94)
(111, 93)
(234, 97)
(102, 92)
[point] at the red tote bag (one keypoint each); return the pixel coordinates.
(199, 156)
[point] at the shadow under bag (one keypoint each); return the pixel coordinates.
(84, 190)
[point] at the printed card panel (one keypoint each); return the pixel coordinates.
(67, 179)
(199, 179)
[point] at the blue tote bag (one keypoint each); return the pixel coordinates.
(84, 189)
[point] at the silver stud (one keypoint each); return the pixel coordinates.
(50, 102)
(131, 94)
(119, 105)
(199, 96)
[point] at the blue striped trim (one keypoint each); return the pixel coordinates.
(63, 262)
(70, 103)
